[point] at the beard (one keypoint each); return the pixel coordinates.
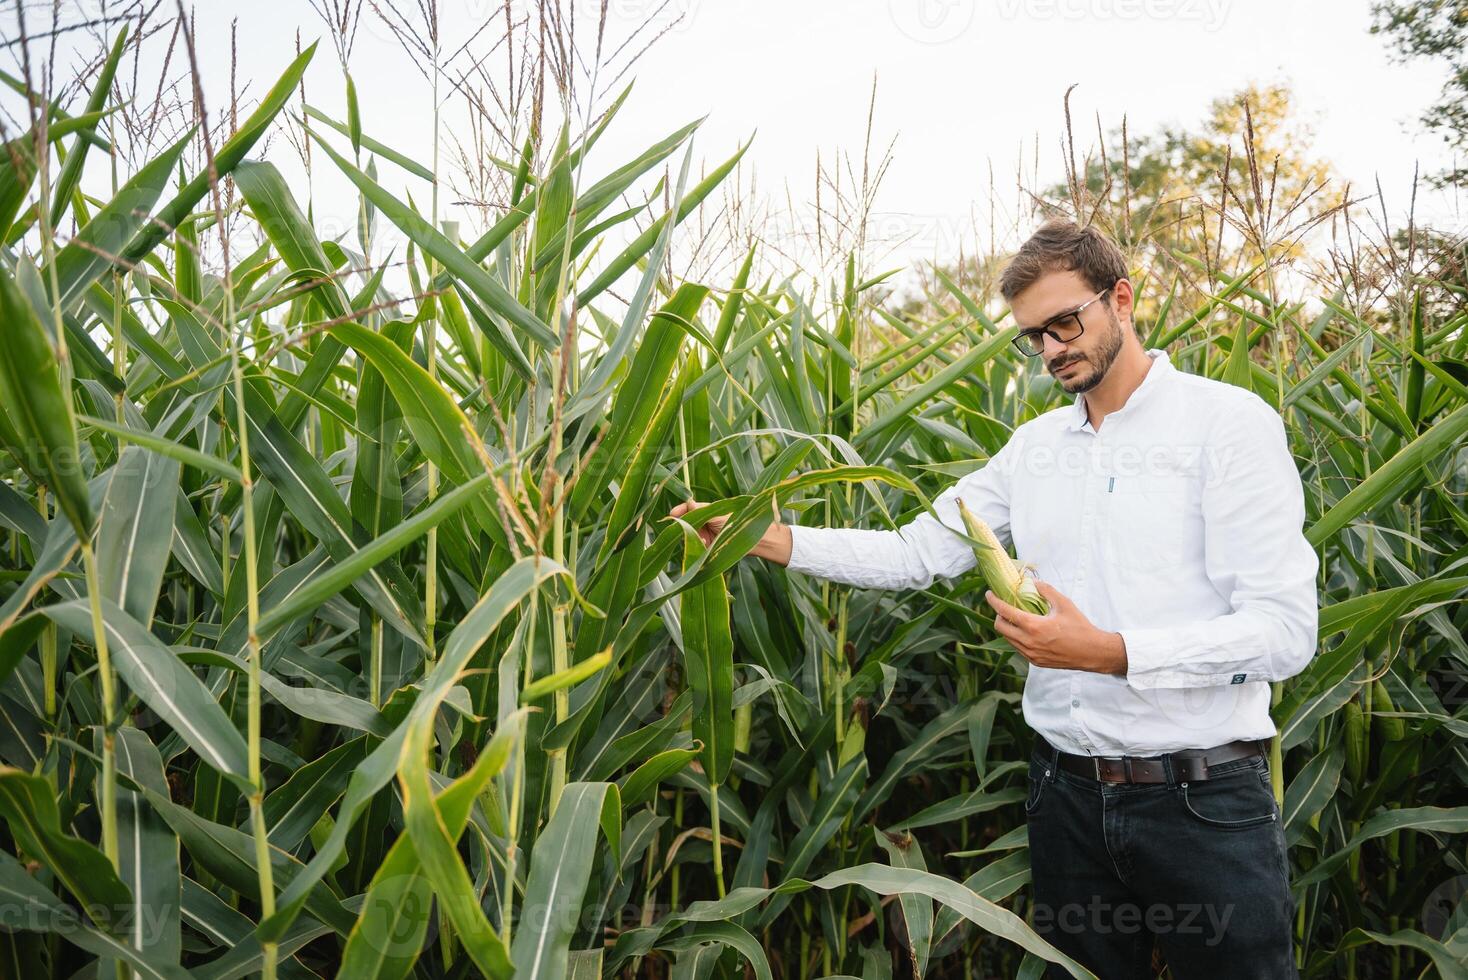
(1095, 365)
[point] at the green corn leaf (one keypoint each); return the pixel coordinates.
(562, 679)
(372, 145)
(354, 116)
(987, 916)
(642, 783)
(148, 852)
(916, 396)
(700, 947)
(353, 565)
(1388, 481)
(708, 651)
(1448, 962)
(71, 169)
(450, 256)
(294, 807)
(56, 552)
(1311, 789)
(508, 591)
(39, 408)
(560, 869)
(605, 191)
(636, 403)
(160, 680)
(35, 908)
(644, 243)
(317, 704)
(101, 241)
(435, 849)
(922, 750)
(226, 157)
(904, 851)
(135, 530)
(994, 882)
(376, 496)
(229, 855)
(166, 447)
(388, 936)
(1435, 819)
(18, 161)
(29, 807)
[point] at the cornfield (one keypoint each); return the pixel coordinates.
(345, 631)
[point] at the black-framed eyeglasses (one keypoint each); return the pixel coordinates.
(1064, 327)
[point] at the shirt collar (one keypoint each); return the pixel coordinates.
(1161, 367)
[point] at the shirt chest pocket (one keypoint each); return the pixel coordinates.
(1147, 520)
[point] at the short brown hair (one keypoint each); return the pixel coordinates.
(1061, 245)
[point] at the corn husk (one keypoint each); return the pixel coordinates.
(1355, 726)
(1008, 579)
(1391, 729)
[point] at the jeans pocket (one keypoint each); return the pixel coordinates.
(1039, 778)
(1235, 800)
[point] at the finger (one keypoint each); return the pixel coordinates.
(1014, 614)
(1022, 647)
(1050, 592)
(1007, 629)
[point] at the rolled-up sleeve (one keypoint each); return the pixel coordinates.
(913, 555)
(1257, 557)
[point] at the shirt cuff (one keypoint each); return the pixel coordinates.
(1154, 660)
(798, 557)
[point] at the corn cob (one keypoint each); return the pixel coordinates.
(1009, 580)
(743, 715)
(1355, 742)
(1392, 729)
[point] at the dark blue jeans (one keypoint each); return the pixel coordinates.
(1197, 867)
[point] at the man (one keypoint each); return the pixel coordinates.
(1163, 514)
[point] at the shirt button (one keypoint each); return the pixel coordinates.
(1075, 703)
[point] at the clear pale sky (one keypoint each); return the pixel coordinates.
(961, 83)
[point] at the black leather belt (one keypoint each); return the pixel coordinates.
(1190, 765)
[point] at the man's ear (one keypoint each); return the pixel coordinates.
(1123, 300)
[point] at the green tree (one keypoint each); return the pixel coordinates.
(1435, 30)
(1223, 192)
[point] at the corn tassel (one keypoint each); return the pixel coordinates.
(1009, 580)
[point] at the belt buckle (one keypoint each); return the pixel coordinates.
(1126, 764)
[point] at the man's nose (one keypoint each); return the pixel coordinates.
(1053, 348)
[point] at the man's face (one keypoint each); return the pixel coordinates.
(1080, 364)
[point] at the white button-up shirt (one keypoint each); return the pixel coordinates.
(1178, 523)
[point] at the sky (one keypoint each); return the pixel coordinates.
(963, 88)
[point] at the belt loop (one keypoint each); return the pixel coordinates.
(1054, 763)
(1167, 770)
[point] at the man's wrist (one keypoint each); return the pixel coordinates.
(775, 545)
(1113, 654)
